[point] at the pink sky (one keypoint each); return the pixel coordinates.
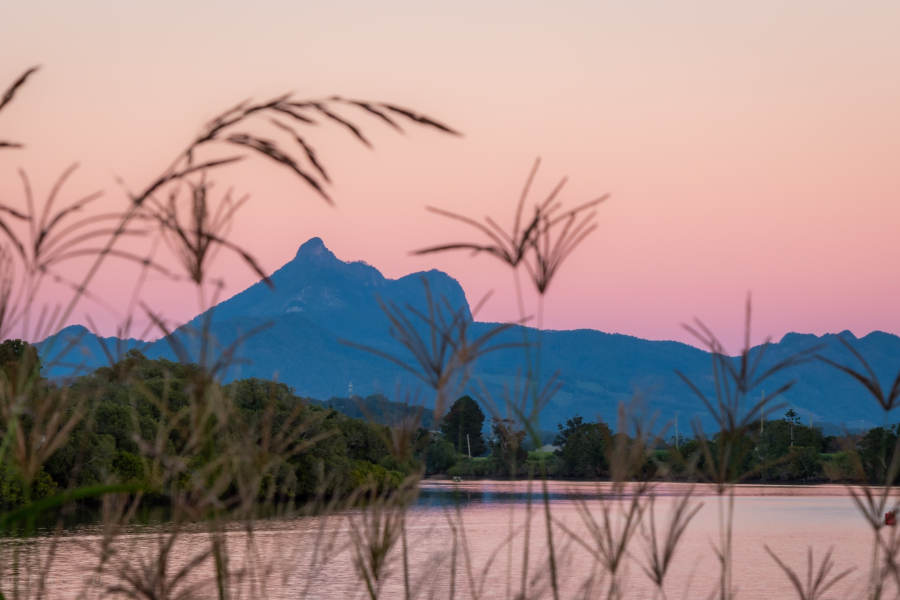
(747, 146)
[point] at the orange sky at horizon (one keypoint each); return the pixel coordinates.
(746, 147)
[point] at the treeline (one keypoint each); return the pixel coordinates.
(127, 418)
(773, 451)
(378, 408)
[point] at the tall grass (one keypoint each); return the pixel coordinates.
(216, 481)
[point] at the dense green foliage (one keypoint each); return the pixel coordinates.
(508, 452)
(876, 450)
(582, 448)
(462, 427)
(20, 365)
(131, 407)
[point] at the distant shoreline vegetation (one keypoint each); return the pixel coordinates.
(781, 450)
(349, 439)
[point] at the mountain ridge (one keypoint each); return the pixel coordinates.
(319, 300)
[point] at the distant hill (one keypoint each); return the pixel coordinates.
(319, 300)
(76, 351)
(379, 409)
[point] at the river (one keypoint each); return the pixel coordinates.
(465, 540)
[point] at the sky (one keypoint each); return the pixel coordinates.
(746, 147)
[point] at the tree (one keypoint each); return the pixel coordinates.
(792, 418)
(462, 426)
(13, 351)
(784, 448)
(19, 365)
(775, 440)
(800, 464)
(582, 448)
(507, 447)
(440, 455)
(876, 450)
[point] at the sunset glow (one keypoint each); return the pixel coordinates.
(746, 147)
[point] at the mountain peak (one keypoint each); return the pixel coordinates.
(314, 248)
(793, 337)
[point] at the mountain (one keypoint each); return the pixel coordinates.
(318, 300)
(75, 349)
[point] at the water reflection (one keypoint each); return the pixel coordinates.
(439, 493)
(440, 496)
(285, 556)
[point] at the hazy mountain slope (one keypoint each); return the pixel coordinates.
(74, 350)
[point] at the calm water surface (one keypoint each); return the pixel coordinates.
(485, 522)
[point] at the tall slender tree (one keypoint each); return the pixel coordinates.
(792, 418)
(462, 426)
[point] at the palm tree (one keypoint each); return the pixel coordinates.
(792, 418)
